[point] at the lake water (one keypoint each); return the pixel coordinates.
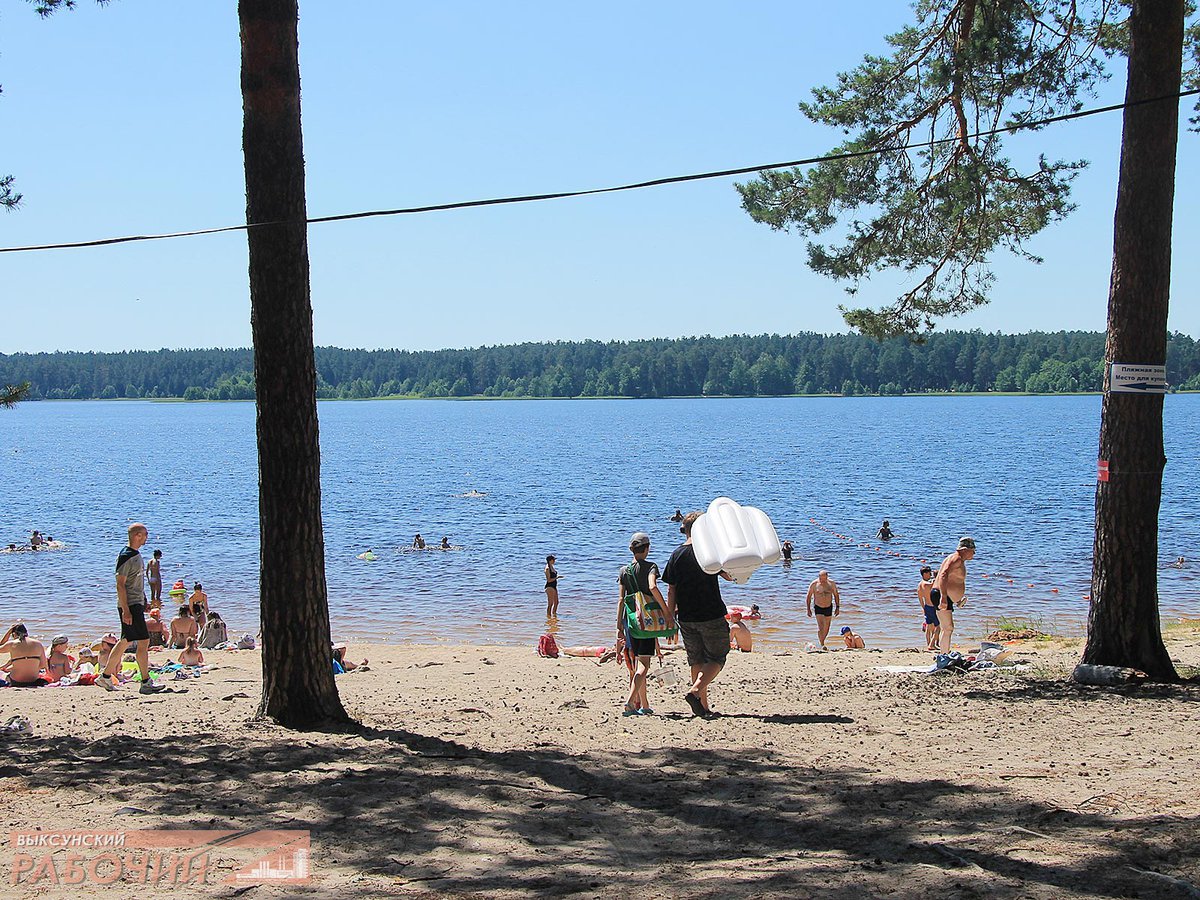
(575, 478)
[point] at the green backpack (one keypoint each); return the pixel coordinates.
(644, 617)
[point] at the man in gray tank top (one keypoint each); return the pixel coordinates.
(131, 605)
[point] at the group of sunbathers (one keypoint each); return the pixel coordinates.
(31, 664)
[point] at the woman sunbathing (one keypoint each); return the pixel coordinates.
(26, 658)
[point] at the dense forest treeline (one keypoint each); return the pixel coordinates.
(742, 365)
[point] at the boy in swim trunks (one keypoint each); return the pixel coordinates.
(928, 608)
(824, 599)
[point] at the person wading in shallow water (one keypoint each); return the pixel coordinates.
(824, 599)
(551, 574)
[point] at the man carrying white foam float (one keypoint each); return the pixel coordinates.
(728, 541)
(694, 599)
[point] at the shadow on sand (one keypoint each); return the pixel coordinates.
(394, 810)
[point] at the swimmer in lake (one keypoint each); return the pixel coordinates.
(678, 517)
(418, 542)
(885, 531)
(445, 543)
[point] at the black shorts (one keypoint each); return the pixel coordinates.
(136, 629)
(640, 646)
(935, 597)
(823, 610)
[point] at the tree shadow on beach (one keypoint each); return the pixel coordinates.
(402, 810)
(1187, 690)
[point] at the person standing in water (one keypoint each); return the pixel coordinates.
(551, 588)
(823, 597)
(950, 589)
(418, 542)
(885, 531)
(154, 576)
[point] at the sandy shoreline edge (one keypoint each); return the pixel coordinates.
(487, 771)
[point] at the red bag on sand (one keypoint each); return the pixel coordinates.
(547, 646)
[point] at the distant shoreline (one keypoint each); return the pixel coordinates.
(485, 398)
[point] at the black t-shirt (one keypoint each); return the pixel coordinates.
(697, 594)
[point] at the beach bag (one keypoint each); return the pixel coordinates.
(547, 646)
(644, 617)
(213, 633)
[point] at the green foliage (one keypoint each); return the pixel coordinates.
(920, 188)
(12, 394)
(743, 365)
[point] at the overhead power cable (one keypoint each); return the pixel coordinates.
(562, 195)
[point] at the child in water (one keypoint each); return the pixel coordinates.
(853, 641)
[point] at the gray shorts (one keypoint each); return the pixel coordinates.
(706, 642)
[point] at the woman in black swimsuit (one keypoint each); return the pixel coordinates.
(551, 588)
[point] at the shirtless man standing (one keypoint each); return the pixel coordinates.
(950, 588)
(823, 597)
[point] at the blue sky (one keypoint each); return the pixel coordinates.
(127, 120)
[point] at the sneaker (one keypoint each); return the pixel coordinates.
(149, 687)
(693, 700)
(106, 682)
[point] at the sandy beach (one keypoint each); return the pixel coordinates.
(492, 772)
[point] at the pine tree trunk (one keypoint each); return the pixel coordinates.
(1123, 625)
(298, 686)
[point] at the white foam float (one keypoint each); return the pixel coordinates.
(736, 538)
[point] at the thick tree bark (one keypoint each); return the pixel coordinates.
(1123, 625)
(298, 686)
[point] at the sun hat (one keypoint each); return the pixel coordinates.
(966, 543)
(639, 539)
(845, 628)
(59, 639)
(110, 639)
(338, 646)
